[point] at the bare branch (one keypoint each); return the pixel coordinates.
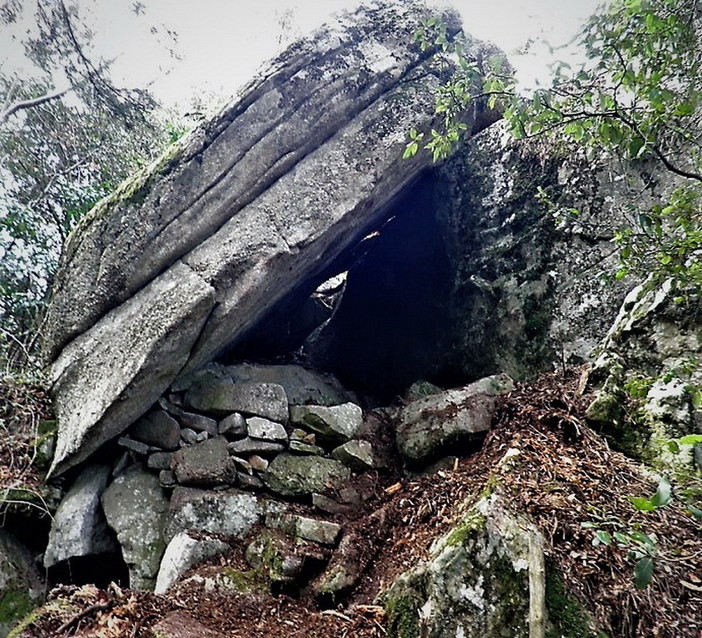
(31, 103)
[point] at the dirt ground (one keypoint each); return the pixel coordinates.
(567, 479)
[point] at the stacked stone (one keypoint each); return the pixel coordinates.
(280, 428)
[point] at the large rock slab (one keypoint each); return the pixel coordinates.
(136, 507)
(426, 427)
(251, 208)
(291, 475)
(79, 527)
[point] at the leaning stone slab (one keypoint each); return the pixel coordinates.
(108, 377)
(309, 529)
(266, 430)
(337, 423)
(183, 552)
(254, 204)
(425, 428)
(291, 475)
(79, 527)
(135, 507)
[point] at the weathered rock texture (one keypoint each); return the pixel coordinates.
(182, 261)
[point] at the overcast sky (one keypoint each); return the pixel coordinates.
(222, 42)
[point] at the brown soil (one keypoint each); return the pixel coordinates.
(564, 476)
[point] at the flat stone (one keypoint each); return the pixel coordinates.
(243, 464)
(198, 422)
(223, 397)
(309, 529)
(182, 553)
(300, 447)
(157, 428)
(259, 428)
(207, 463)
(135, 507)
(427, 427)
(337, 423)
(302, 386)
(79, 527)
(230, 512)
(142, 449)
(329, 505)
(233, 425)
(254, 446)
(159, 460)
(357, 455)
(291, 475)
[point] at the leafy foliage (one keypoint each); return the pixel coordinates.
(60, 152)
(638, 97)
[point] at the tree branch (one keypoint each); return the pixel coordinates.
(28, 104)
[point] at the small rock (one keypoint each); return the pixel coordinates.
(199, 423)
(300, 447)
(291, 475)
(302, 386)
(258, 463)
(249, 481)
(233, 425)
(207, 463)
(338, 423)
(329, 505)
(427, 427)
(167, 478)
(189, 436)
(254, 446)
(201, 436)
(357, 455)
(259, 428)
(159, 460)
(135, 446)
(182, 553)
(157, 428)
(309, 529)
(243, 464)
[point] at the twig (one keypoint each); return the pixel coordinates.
(80, 615)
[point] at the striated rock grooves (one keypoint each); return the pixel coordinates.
(193, 252)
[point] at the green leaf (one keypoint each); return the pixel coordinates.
(602, 537)
(643, 572)
(690, 439)
(642, 504)
(695, 511)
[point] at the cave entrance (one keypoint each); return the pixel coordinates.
(382, 318)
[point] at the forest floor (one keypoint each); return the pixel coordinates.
(568, 481)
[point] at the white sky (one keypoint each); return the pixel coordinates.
(222, 42)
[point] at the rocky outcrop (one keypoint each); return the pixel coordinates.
(648, 367)
(255, 205)
(483, 579)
